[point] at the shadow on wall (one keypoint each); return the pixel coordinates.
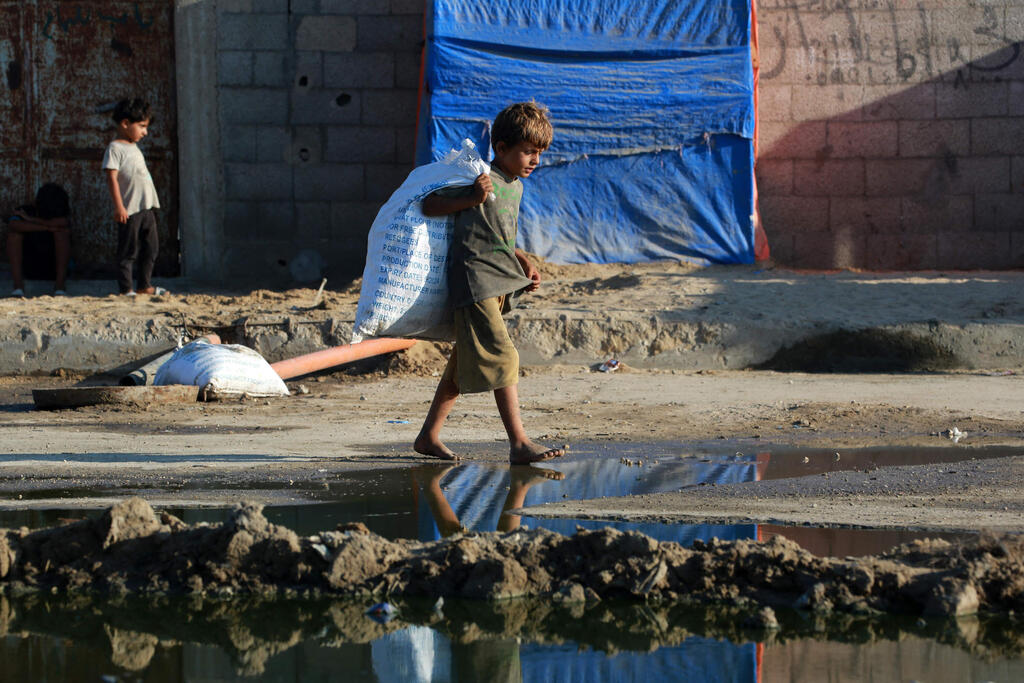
(928, 177)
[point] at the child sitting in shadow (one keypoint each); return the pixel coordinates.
(28, 230)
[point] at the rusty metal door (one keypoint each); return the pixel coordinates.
(65, 63)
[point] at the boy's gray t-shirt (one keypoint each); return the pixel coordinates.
(482, 261)
(138, 192)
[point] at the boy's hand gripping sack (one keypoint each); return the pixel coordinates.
(405, 282)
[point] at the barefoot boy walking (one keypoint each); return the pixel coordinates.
(485, 273)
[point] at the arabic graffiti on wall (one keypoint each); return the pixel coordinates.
(882, 42)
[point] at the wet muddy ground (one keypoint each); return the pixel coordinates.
(671, 460)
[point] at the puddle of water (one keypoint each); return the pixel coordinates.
(47, 638)
(434, 500)
(290, 640)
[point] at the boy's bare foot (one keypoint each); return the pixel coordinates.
(435, 449)
(529, 452)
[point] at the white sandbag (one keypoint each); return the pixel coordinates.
(405, 282)
(221, 370)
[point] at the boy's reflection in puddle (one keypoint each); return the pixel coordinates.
(521, 479)
(417, 652)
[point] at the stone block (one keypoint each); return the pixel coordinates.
(401, 33)
(828, 250)
(313, 221)
(1015, 98)
(244, 258)
(272, 144)
(309, 71)
(780, 140)
(999, 213)
(272, 6)
(865, 139)
(350, 223)
(329, 182)
(1017, 174)
(885, 103)
(995, 60)
(997, 136)
(270, 69)
(234, 67)
(781, 248)
(257, 182)
(306, 146)
(383, 179)
(238, 143)
(975, 250)
(359, 70)
(947, 214)
(326, 33)
(865, 215)
(389, 107)
(407, 69)
(897, 177)
(300, 7)
(833, 178)
(251, 105)
(981, 174)
(774, 177)
(255, 221)
(774, 102)
(407, 7)
(791, 215)
(253, 32)
(901, 252)
(934, 138)
(1016, 256)
(326, 106)
(969, 100)
(814, 102)
(405, 145)
(353, 7)
(234, 6)
(360, 144)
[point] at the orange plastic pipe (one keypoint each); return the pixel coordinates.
(328, 358)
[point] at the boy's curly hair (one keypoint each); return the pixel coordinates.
(522, 121)
(134, 109)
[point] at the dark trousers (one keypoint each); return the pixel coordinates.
(136, 239)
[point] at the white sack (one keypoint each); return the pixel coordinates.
(221, 370)
(405, 282)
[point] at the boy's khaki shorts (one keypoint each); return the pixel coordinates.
(484, 358)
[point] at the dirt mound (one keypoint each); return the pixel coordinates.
(131, 548)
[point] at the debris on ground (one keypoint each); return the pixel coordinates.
(132, 549)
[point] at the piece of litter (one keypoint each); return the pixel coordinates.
(954, 434)
(610, 365)
(382, 612)
(398, 422)
(322, 550)
(439, 604)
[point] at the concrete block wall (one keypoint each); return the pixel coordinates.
(317, 119)
(892, 133)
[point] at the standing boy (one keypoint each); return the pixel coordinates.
(134, 196)
(485, 273)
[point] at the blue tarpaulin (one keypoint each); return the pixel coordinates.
(653, 107)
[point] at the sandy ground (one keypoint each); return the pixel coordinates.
(365, 417)
(355, 422)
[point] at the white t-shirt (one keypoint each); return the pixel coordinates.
(136, 184)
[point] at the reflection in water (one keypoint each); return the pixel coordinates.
(44, 637)
(177, 639)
